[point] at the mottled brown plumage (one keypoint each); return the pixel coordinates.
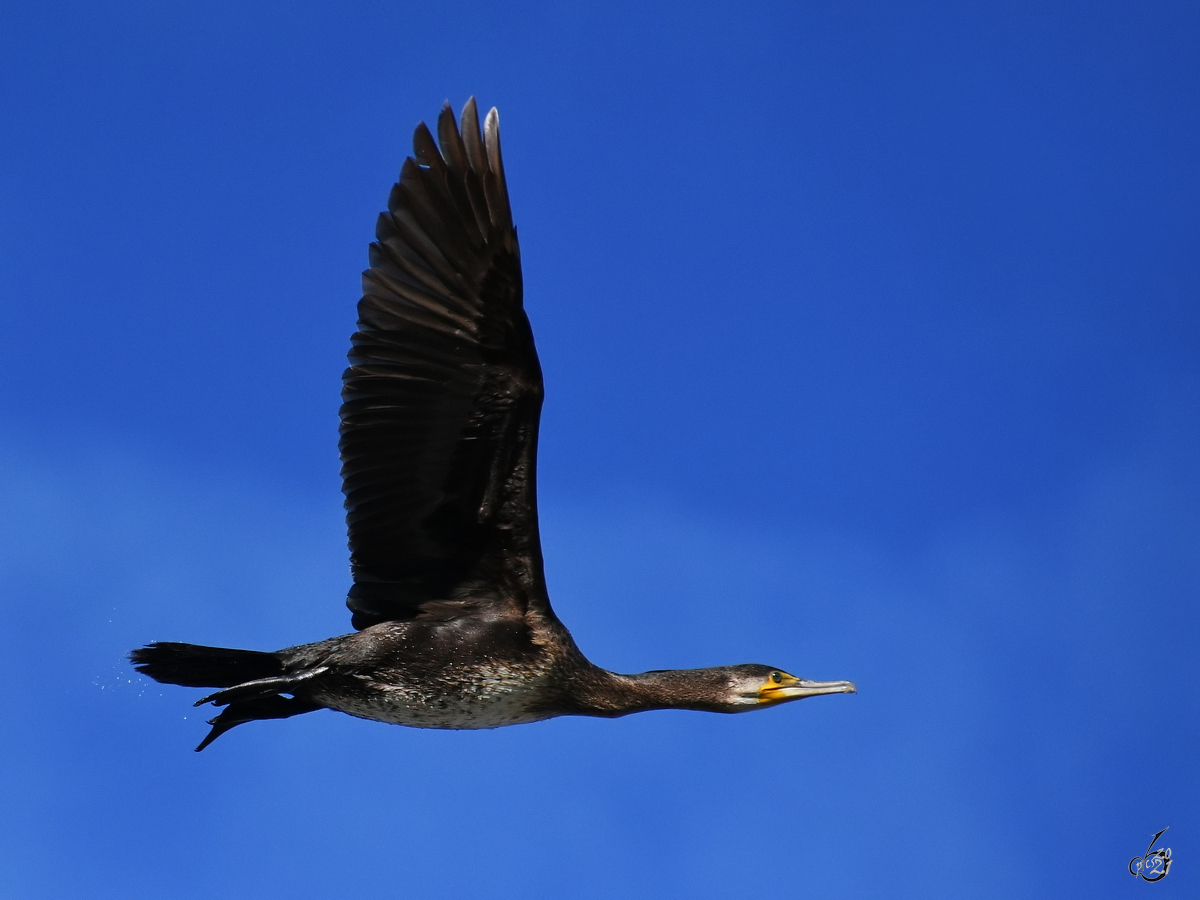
(439, 450)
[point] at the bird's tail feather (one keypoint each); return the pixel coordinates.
(195, 666)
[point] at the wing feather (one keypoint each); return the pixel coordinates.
(443, 394)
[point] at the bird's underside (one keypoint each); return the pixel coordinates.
(439, 425)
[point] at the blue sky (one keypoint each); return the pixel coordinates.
(872, 350)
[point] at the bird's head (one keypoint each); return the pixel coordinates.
(754, 686)
(729, 689)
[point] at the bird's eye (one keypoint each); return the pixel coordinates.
(777, 677)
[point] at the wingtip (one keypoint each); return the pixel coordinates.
(491, 142)
(491, 130)
(425, 148)
(469, 117)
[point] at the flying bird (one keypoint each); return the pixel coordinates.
(439, 427)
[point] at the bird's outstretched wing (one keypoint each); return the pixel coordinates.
(442, 397)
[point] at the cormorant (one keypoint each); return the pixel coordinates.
(439, 427)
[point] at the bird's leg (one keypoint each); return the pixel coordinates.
(260, 688)
(242, 711)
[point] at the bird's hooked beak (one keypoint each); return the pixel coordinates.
(789, 687)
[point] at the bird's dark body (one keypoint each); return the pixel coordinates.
(417, 674)
(439, 426)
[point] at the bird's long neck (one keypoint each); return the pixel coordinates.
(610, 694)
